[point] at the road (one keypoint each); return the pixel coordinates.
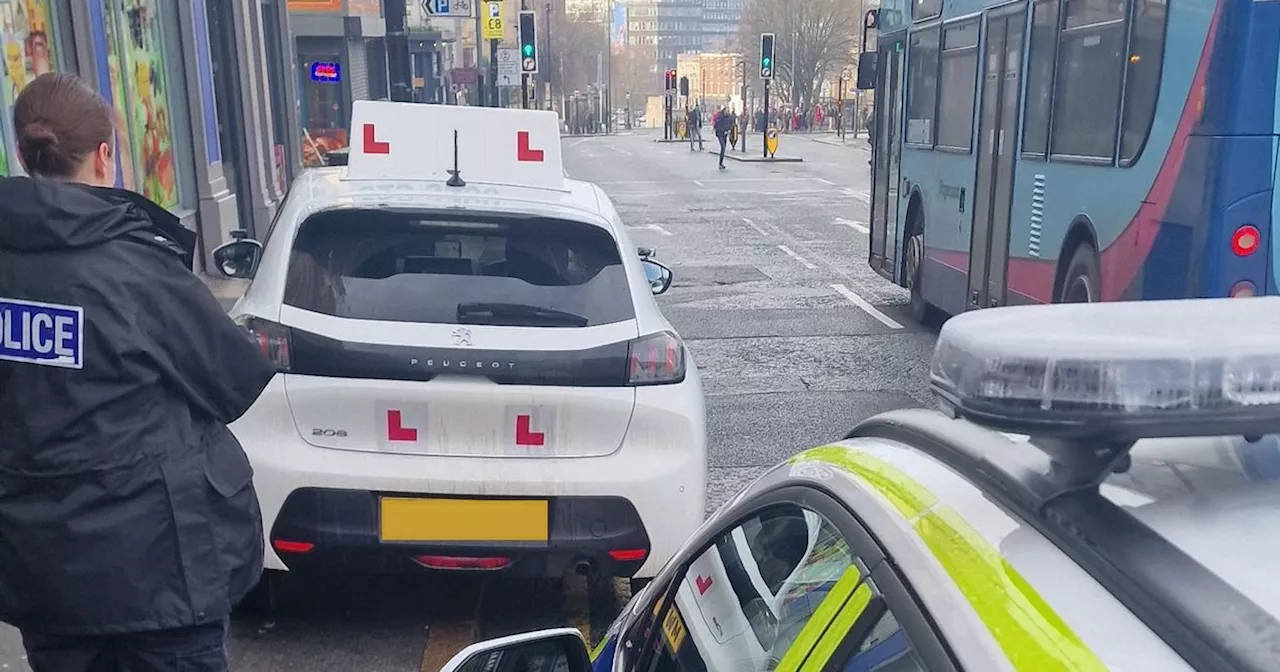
(796, 338)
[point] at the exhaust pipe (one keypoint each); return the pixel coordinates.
(582, 567)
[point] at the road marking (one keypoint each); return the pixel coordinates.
(756, 227)
(856, 226)
(700, 184)
(797, 257)
(444, 641)
(718, 181)
(860, 195)
(825, 181)
(866, 307)
(654, 227)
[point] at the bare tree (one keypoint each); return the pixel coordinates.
(578, 42)
(813, 41)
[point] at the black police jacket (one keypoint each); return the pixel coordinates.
(125, 502)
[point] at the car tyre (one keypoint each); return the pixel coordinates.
(1081, 283)
(266, 597)
(919, 307)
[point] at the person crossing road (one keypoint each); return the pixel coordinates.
(723, 123)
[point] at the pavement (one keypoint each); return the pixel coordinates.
(797, 340)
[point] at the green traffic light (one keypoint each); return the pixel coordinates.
(766, 61)
(528, 50)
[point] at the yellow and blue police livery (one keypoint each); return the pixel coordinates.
(473, 372)
(1096, 495)
(41, 333)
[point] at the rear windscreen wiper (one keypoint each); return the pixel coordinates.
(517, 314)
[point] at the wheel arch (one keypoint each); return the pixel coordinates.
(1079, 233)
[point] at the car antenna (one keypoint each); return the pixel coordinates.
(455, 175)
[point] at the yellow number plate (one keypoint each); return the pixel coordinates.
(426, 520)
(673, 628)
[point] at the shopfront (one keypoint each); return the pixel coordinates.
(323, 102)
(34, 37)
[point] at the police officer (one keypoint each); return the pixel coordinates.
(129, 525)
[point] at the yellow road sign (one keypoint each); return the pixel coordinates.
(771, 141)
(492, 24)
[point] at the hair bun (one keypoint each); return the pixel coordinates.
(38, 135)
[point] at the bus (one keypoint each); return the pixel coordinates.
(1042, 151)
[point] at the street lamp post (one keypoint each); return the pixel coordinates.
(845, 76)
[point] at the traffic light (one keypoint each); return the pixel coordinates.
(671, 80)
(766, 55)
(528, 42)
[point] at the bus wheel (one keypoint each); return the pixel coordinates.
(1081, 284)
(915, 265)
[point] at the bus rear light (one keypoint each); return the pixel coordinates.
(1243, 290)
(283, 546)
(1244, 241)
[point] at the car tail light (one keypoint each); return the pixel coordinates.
(1245, 240)
(1243, 290)
(628, 554)
(460, 562)
(284, 546)
(273, 339)
(657, 359)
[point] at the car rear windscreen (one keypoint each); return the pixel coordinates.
(463, 269)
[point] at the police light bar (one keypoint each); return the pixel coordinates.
(416, 141)
(1118, 371)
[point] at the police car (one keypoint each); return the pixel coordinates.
(474, 373)
(1100, 493)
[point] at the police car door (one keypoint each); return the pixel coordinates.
(795, 585)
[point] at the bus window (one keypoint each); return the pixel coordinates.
(922, 86)
(956, 85)
(1142, 85)
(1044, 41)
(1090, 63)
(925, 9)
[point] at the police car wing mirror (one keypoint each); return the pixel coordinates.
(561, 649)
(238, 258)
(659, 276)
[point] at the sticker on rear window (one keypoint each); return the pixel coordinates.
(41, 333)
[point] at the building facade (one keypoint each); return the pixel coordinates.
(720, 24)
(194, 131)
(341, 57)
(661, 30)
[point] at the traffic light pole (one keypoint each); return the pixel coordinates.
(493, 73)
(764, 136)
(524, 91)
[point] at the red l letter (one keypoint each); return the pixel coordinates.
(525, 437)
(703, 583)
(371, 144)
(396, 431)
(523, 151)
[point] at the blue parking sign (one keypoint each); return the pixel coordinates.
(41, 333)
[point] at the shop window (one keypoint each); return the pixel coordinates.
(140, 93)
(1044, 41)
(956, 86)
(1090, 63)
(28, 40)
(922, 86)
(324, 122)
(1142, 84)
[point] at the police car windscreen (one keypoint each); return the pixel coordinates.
(459, 269)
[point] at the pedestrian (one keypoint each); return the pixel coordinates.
(694, 121)
(724, 121)
(129, 525)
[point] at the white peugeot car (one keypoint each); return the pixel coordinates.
(474, 373)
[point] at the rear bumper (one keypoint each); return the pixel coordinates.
(659, 474)
(343, 526)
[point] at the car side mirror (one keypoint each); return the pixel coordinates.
(561, 649)
(646, 252)
(238, 258)
(659, 276)
(867, 68)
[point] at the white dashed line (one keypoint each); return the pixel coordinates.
(654, 227)
(856, 226)
(756, 227)
(866, 307)
(826, 181)
(699, 183)
(797, 257)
